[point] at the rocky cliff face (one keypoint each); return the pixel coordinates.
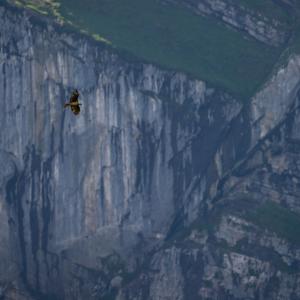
(146, 194)
(245, 245)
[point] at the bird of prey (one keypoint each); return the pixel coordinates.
(74, 103)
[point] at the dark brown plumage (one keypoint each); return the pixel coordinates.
(74, 103)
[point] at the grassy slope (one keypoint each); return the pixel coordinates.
(278, 219)
(174, 38)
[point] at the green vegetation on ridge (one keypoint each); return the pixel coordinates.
(172, 37)
(277, 219)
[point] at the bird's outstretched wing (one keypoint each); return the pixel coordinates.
(74, 103)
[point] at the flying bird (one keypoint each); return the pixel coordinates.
(74, 103)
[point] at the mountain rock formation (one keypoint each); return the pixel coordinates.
(156, 190)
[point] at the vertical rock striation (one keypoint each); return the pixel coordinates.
(85, 187)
